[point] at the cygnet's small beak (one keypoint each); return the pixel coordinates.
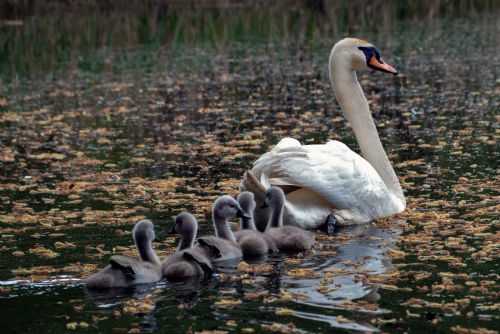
(243, 214)
(172, 230)
(156, 239)
(381, 65)
(263, 206)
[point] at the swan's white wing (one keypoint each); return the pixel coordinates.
(332, 171)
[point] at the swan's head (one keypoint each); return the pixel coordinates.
(358, 54)
(227, 207)
(185, 225)
(275, 197)
(144, 232)
(246, 199)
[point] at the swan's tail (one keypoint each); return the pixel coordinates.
(250, 183)
(102, 279)
(200, 260)
(296, 243)
(96, 281)
(181, 270)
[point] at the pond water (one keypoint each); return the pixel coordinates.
(98, 132)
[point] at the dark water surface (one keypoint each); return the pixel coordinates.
(102, 135)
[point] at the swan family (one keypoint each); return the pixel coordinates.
(298, 187)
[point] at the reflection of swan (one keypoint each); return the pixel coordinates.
(108, 300)
(367, 244)
(321, 179)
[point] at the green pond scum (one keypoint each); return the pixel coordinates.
(113, 113)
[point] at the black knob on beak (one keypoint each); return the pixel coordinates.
(243, 214)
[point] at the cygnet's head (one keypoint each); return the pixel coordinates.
(185, 225)
(227, 207)
(144, 231)
(246, 200)
(275, 197)
(361, 55)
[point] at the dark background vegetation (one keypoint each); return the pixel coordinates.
(41, 35)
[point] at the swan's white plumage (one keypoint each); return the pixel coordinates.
(331, 177)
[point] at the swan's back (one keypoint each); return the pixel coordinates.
(178, 266)
(220, 249)
(322, 179)
(192, 266)
(255, 242)
(123, 272)
(291, 239)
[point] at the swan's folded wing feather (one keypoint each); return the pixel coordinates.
(266, 168)
(332, 171)
(213, 250)
(125, 265)
(261, 165)
(203, 262)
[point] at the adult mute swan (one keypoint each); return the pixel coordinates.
(329, 180)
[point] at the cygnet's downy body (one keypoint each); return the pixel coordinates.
(122, 271)
(189, 260)
(289, 239)
(223, 245)
(252, 241)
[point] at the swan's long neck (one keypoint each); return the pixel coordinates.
(276, 214)
(355, 108)
(248, 224)
(222, 229)
(187, 240)
(146, 252)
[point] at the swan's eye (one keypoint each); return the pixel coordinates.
(369, 52)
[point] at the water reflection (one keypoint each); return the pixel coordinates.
(365, 252)
(364, 246)
(105, 298)
(362, 326)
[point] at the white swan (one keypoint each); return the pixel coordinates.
(330, 178)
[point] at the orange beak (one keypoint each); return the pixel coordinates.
(380, 65)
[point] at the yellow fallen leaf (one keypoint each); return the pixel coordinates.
(283, 311)
(227, 303)
(412, 315)
(341, 319)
